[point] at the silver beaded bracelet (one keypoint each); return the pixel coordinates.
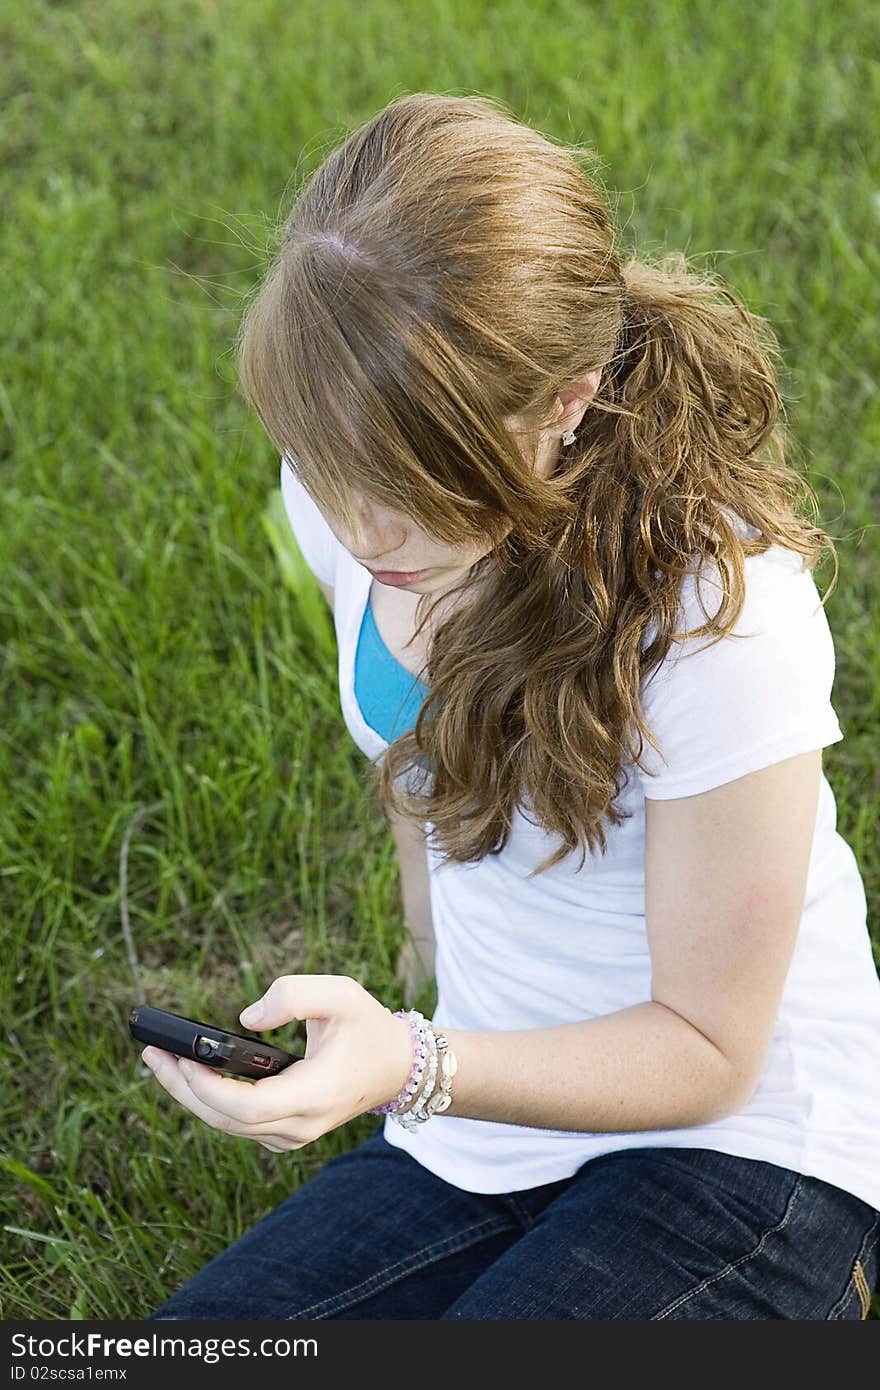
(415, 1115)
(431, 1100)
(418, 1026)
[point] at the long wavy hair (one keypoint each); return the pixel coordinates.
(447, 267)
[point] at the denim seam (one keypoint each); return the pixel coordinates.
(518, 1208)
(715, 1278)
(382, 1278)
(848, 1290)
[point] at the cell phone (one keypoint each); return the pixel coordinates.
(214, 1047)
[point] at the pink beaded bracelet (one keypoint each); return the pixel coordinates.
(413, 1081)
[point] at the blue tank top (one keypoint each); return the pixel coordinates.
(389, 695)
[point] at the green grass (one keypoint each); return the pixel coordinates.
(151, 648)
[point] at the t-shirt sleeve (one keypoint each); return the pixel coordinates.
(319, 546)
(719, 712)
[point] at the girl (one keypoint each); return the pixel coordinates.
(650, 1088)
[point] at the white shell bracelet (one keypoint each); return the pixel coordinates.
(442, 1062)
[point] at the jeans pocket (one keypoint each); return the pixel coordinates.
(862, 1288)
(855, 1301)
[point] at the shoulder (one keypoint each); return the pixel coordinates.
(781, 604)
(321, 550)
(723, 706)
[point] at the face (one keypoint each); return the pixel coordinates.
(388, 540)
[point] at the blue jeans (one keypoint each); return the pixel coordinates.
(644, 1233)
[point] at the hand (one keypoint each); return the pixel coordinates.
(358, 1056)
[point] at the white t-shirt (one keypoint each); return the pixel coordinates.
(514, 953)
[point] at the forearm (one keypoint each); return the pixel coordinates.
(411, 846)
(640, 1068)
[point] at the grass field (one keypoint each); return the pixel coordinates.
(151, 651)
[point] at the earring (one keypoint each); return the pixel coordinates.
(568, 437)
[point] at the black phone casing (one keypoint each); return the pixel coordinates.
(205, 1043)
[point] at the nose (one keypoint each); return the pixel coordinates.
(377, 540)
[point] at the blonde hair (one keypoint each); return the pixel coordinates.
(447, 267)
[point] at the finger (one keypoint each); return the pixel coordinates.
(171, 1078)
(298, 1093)
(301, 997)
(166, 1069)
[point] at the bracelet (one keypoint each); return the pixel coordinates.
(414, 1115)
(442, 1099)
(418, 1029)
(433, 1060)
(430, 1101)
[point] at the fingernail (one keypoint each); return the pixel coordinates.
(252, 1014)
(186, 1067)
(151, 1058)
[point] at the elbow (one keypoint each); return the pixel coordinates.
(731, 1093)
(720, 1085)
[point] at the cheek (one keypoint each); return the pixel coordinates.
(469, 555)
(487, 546)
(463, 557)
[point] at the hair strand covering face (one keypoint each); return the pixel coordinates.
(447, 267)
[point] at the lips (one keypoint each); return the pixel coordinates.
(395, 576)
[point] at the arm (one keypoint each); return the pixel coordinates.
(725, 886)
(725, 883)
(416, 965)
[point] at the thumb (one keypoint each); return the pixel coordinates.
(292, 997)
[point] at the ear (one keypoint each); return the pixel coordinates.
(578, 394)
